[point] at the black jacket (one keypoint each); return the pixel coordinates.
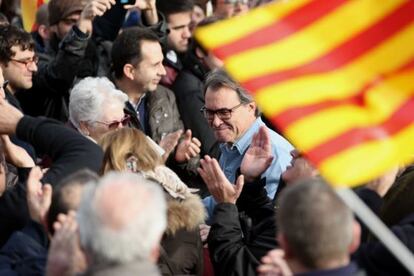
(241, 234)
(375, 259)
(75, 57)
(69, 151)
(25, 253)
(189, 92)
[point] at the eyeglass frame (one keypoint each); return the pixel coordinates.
(27, 62)
(114, 124)
(223, 117)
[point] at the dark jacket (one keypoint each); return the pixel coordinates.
(349, 270)
(69, 152)
(189, 91)
(25, 253)
(162, 113)
(375, 259)
(242, 234)
(77, 56)
(181, 247)
(398, 201)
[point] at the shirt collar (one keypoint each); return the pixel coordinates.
(141, 100)
(244, 141)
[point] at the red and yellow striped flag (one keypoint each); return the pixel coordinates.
(29, 8)
(336, 76)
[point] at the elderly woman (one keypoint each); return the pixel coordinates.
(96, 107)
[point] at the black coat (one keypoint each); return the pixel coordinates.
(69, 152)
(375, 259)
(75, 57)
(241, 235)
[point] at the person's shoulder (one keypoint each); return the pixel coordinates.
(278, 141)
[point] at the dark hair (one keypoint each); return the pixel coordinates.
(127, 48)
(168, 7)
(13, 36)
(62, 202)
(218, 78)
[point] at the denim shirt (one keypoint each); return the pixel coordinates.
(232, 156)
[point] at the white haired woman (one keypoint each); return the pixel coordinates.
(96, 107)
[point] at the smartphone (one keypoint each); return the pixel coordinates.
(127, 2)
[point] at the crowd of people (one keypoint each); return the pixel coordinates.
(126, 149)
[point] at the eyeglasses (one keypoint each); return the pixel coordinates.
(114, 124)
(234, 2)
(222, 113)
(27, 62)
(4, 85)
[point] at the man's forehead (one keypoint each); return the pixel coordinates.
(177, 19)
(18, 50)
(151, 51)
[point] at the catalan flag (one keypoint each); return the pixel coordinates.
(29, 8)
(335, 76)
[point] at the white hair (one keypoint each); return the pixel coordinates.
(121, 218)
(89, 98)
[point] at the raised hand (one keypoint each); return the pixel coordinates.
(274, 264)
(92, 9)
(188, 148)
(148, 8)
(39, 196)
(258, 157)
(169, 142)
(204, 231)
(65, 257)
(218, 185)
(16, 155)
(142, 4)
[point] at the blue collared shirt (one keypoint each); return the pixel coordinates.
(232, 156)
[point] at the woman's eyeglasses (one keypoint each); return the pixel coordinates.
(114, 124)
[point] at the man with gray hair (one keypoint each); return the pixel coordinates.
(96, 107)
(121, 221)
(317, 232)
(234, 117)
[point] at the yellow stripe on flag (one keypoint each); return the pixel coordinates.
(312, 42)
(338, 84)
(28, 10)
(369, 160)
(381, 102)
(242, 25)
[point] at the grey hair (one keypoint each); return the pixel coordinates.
(88, 98)
(316, 223)
(121, 218)
(218, 78)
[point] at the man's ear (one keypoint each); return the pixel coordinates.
(83, 128)
(199, 53)
(356, 237)
(284, 245)
(128, 70)
(253, 106)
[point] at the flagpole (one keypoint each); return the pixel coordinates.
(377, 227)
